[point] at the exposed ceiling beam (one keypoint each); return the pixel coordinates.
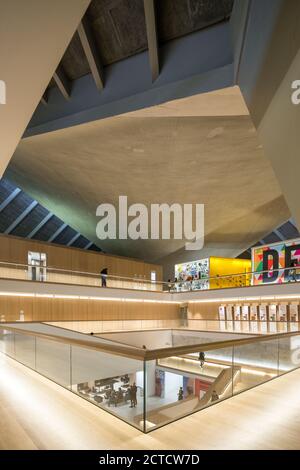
(9, 198)
(90, 50)
(58, 232)
(44, 98)
(73, 239)
(21, 217)
(149, 7)
(40, 225)
(62, 82)
(88, 245)
(293, 222)
(278, 234)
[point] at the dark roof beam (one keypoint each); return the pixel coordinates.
(73, 239)
(44, 98)
(60, 229)
(86, 247)
(149, 8)
(21, 217)
(91, 53)
(9, 199)
(40, 225)
(62, 82)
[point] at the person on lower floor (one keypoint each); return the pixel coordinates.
(180, 394)
(201, 359)
(133, 399)
(214, 396)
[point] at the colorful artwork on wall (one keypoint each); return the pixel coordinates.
(195, 271)
(269, 262)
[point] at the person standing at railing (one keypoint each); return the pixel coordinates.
(293, 271)
(103, 274)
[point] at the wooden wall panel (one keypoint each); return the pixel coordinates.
(203, 311)
(15, 250)
(56, 309)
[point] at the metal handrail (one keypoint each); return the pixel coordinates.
(85, 273)
(144, 280)
(144, 354)
(114, 348)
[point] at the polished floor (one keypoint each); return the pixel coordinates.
(35, 413)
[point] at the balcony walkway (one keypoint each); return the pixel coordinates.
(35, 413)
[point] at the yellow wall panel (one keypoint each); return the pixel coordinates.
(225, 266)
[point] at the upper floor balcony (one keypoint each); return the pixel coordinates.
(62, 281)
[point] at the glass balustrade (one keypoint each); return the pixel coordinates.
(150, 378)
(55, 275)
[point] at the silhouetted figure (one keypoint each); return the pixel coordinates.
(180, 394)
(103, 277)
(293, 271)
(133, 399)
(201, 359)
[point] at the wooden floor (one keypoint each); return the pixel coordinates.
(35, 413)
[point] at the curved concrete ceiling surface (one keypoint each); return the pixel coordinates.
(202, 149)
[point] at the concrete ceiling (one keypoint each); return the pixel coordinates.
(202, 149)
(29, 56)
(118, 28)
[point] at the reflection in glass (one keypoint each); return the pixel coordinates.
(257, 362)
(7, 342)
(25, 349)
(53, 360)
(180, 385)
(289, 353)
(115, 383)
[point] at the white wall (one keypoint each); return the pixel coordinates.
(172, 384)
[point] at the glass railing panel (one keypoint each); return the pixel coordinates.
(257, 363)
(293, 326)
(25, 349)
(245, 326)
(112, 382)
(137, 282)
(289, 353)
(254, 327)
(177, 386)
(53, 360)
(13, 271)
(7, 342)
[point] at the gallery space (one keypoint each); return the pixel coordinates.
(149, 224)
